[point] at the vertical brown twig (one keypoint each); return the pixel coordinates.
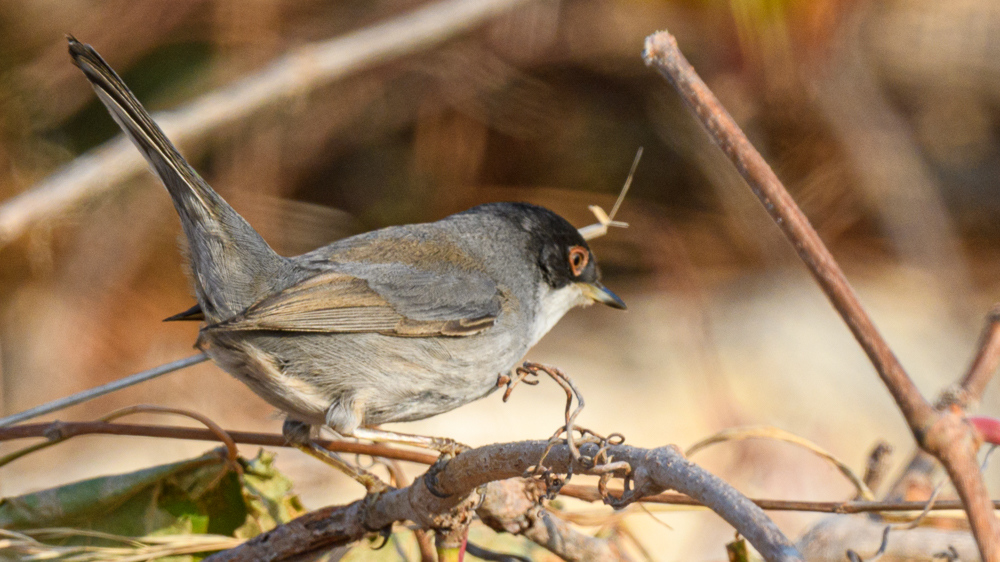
(943, 434)
(662, 52)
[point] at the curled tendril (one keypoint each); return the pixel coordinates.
(571, 435)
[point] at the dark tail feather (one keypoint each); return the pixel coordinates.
(178, 176)
(242, 260)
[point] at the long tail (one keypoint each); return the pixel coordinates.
(233, 266)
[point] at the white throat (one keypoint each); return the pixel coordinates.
(552, 305)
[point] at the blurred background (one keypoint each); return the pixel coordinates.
(883, 120)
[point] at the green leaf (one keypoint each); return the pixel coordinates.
(205, 495)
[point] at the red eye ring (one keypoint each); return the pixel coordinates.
(578, 259)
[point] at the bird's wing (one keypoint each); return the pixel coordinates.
(389, 299)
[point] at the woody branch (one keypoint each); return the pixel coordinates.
(944, 434)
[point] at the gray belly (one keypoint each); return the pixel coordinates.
(352, 380)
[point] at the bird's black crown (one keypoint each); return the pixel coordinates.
(551, 238)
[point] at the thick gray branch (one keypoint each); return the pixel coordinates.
(654, 470)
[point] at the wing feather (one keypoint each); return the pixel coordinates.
(337, 302)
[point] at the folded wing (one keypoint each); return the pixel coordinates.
(393, 300)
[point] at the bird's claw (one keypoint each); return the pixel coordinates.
(430, 477)
(385, 533)
(375, 488)
(520, 374)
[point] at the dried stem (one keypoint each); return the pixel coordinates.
(877, 465)
(426, 546)
(944, 435)
(54, 438)
(662, 52)
(769, 432)
(985, 364)
(591, 494)
(91, 393)
(64, 430)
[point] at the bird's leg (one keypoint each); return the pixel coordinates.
(298, 435)
(447, 447)
(442, 445)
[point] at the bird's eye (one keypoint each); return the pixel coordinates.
(578, 258)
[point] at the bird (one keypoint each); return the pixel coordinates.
(393, 325)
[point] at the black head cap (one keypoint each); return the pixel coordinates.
(561, 253)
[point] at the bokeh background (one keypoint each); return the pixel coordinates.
(882, 119)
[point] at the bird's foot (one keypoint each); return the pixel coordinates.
(299, 435)
(431, 476)
(375, 490)
(516, 377)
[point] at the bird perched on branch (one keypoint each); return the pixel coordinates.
(398, 324)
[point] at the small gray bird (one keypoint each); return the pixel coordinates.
(398, 324)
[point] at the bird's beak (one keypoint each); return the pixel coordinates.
(599, 293)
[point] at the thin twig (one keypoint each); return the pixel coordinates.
(426, 546)
(55, 437)
(943, 434)
(854, 557)
(770, 432)
(985, 364)
(91, 393)
(587, 493)
(628, 184)
(607, 220)
(216, 429)
(591, 494)
(601, 461)
(877, 465)
(662, 52)
(73, 429)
